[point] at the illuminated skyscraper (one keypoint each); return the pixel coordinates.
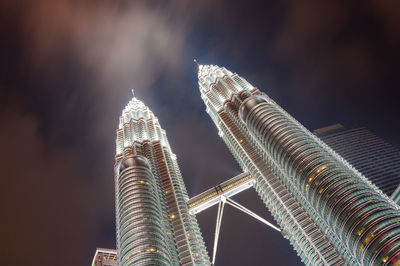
(373, 157)
(154, 226)
(331, 214)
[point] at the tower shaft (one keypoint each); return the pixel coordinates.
(329, 212)
(151, 193)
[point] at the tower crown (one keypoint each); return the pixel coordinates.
(209, 73)
(217, 85)
(135, 109)
(137, 123)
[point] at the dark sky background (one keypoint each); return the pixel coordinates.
(66, 71)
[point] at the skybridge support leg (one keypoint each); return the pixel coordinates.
(221, 205)
(252, 214)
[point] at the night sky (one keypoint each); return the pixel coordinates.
(66, 71)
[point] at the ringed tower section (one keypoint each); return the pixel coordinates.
(331, 214)
(154, 225)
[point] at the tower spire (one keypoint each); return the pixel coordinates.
(197, 63)
(133, 92)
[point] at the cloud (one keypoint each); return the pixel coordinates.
(334, 52)
(43, 197)
(308, 23)
(82, 58)
(388, 13)
(124, 44)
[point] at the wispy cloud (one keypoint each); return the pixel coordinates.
(123, 44)
(42, 196)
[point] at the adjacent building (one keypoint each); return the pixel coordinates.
(105, 257)
(331, 214)
(154, 226)
(373, 157)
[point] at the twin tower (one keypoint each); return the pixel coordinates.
(330, 213)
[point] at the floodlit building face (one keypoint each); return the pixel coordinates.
(105, 257)
(154, 226)
(331, 214)
(373, 157)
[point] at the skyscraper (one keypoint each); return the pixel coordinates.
(373, 157)
(330, 213)
(154, 225)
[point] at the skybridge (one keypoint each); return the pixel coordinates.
(221, 194)
(227, 189)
